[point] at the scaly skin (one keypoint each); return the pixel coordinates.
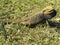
(32, 20)
(46, 13)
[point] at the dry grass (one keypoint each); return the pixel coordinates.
(18, 34)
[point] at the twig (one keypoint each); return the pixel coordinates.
(3, 29)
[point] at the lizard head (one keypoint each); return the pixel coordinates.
(49, 12)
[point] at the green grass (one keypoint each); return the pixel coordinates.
(12, 10)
